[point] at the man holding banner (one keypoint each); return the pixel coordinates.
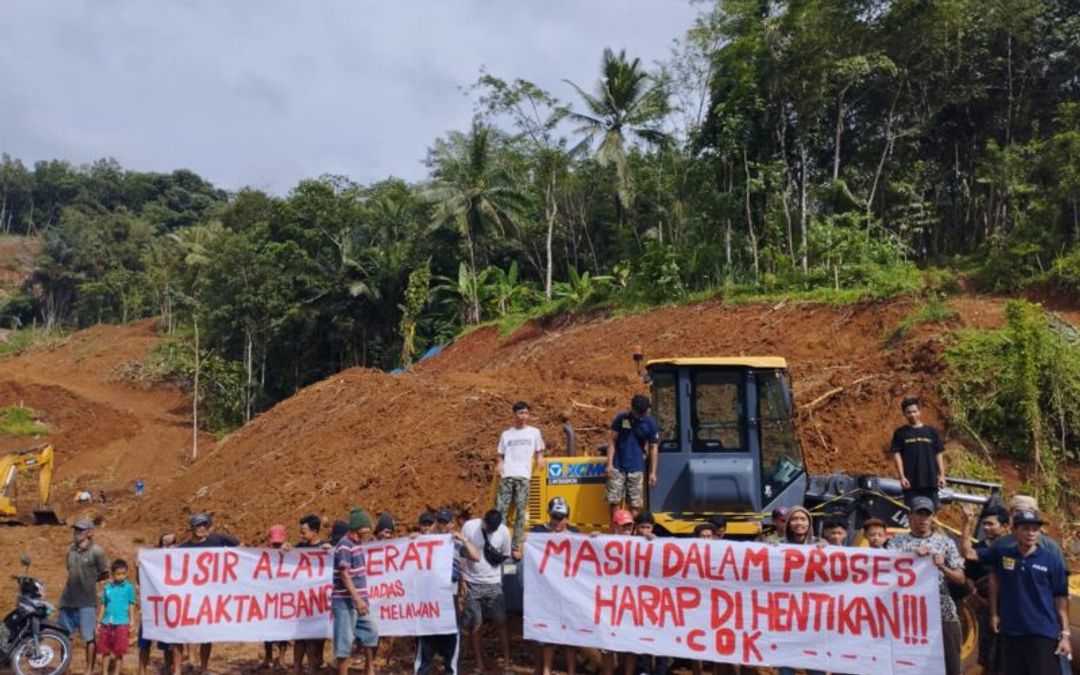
(804, 607)
(949, 567)
(202, 537)
(352, 614)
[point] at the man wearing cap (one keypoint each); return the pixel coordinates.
(924, 541)
(349, 598)
(1027, 503)
(634, 435)
(778, 525)
(1029, 593)
(558, 523)
(446, 646)
(919, 455)
(385, 526)
(86, 567)
(202, 537)
(483, 582)
(622, 522)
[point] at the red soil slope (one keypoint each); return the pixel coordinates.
(107, 432)
(426, 438)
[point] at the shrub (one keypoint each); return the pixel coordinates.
(1019, 388)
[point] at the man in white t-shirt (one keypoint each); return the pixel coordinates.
(519, 447)
(483, 583)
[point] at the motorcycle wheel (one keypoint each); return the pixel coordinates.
(52, 657)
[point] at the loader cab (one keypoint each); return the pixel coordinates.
(727, 440)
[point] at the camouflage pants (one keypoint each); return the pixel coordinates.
(516, 491)
(629, 486)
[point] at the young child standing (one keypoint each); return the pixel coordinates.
(116, 617)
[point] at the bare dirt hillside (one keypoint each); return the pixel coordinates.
(426, 438)
(107, 432)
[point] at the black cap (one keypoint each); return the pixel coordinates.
(444, 515)
(1026, 517)
(426, 518)
(199, 519)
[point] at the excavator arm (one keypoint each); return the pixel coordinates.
(40, 458)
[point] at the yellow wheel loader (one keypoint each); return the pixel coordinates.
(728, 446)
(38, 459)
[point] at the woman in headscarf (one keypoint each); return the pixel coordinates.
(799, 530)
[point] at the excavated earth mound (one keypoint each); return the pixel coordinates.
(427, 437)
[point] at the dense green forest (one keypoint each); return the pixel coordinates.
(785, 146)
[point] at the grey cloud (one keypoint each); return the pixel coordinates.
(266, 93)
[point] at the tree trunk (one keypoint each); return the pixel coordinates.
(803, 243)
(195, 394)
(474, 295)
(838, 137)
(250, 374)
(551, 212)
(729, 170)
(750, 218)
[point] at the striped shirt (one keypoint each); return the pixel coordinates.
(349, 555)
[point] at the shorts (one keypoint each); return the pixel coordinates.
(1029, 654)
(344, 627)
(79, 619)
(366, 630)
(483, 600)
(112, 640)
(630, 486)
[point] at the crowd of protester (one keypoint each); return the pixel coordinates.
(1014, 565)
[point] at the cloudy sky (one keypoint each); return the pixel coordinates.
(265, 92)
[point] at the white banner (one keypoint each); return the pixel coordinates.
(409, 585)
(193, 595)
(847, 610)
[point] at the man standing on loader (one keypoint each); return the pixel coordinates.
(633, 435)
(519, 447)
(919, 455)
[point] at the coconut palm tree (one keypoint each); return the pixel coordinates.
(474, 193)
(627, 101)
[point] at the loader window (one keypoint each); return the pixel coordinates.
(781, 457)
(665, 409)
(716, 412)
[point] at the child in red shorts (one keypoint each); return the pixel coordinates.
(115, 617)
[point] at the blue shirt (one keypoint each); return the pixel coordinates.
(117, 599)
(634, 435)
(1027, 587)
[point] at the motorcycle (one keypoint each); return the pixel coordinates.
(30, 641)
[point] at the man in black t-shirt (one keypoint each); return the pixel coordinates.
(918, 452)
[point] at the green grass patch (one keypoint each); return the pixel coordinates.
(964, 462)
(20, 421)
(934, 310)
(30, 339)
(740, 295)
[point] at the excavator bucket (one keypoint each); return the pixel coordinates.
(47, 516)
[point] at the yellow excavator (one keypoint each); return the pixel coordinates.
(39, 458)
